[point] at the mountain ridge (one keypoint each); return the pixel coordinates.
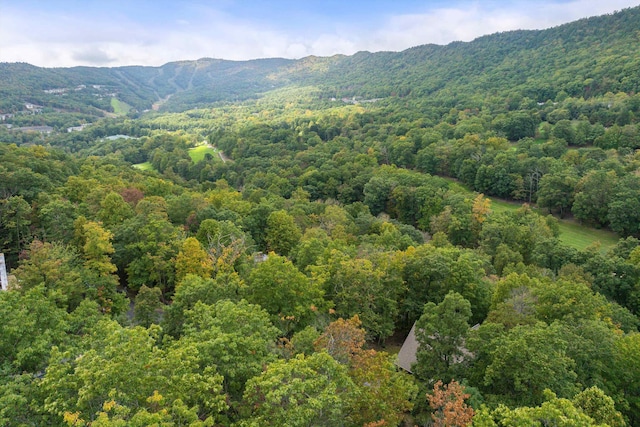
(597, 48)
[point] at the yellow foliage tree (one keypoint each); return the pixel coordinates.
(192, 259)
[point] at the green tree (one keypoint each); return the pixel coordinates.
(114, 210)
(516, 125)
(146, 306)
(520, 230)
(213, 233)
(282, 233)
(563, 129)
(289, 296)
(596, 404)
(441, 333)
(553, 411)
(256, 224)
(194, 289)
(385, 394)
(356, 286)
(613, 277)
(455, 220)
(238, 338)
(146, 245)
(126, 365)
(624, 209)
(31, 324)
(310, 249)
(56, 219)
(303, 391)
(22, 403)
(564, 300)
(592, 345)
(525, 361)
(431, 273)
(225, 244)
(504, 257)
(15, 220)
(57, 268)
(556, 191)
(593, 195)
(159, 412)
(626, 372)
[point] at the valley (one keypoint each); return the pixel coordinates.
(246, 243)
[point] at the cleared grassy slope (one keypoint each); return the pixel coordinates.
(571, 233)
(200, 151)
(120, 108)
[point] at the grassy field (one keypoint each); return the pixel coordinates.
(502, 206)
(579, 236)
(146, 166)
(120, 108)
(571, 233)
(199, 152)
(196, 155)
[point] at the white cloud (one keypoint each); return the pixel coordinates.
(67, 39)
(467, 22)
(93, 55)
(330, 44)
(296, 50)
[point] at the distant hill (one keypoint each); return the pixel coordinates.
(87, 89)
(584, 58)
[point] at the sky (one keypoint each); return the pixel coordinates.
(110, 33)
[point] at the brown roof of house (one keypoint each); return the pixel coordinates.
(407, 354)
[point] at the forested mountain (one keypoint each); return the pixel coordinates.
(139, 87)
(253, 250)
(585, 58)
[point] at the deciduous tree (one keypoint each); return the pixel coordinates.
(238, 338)
(287, 294)
(192, 259)
(448, 404)
(282, 233)
(126, 365)
(147, 305)
(441, 333)
(302, 391)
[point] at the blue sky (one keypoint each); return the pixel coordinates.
(56, 33)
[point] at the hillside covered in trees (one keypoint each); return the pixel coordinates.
(220, 243)
(583, 59)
